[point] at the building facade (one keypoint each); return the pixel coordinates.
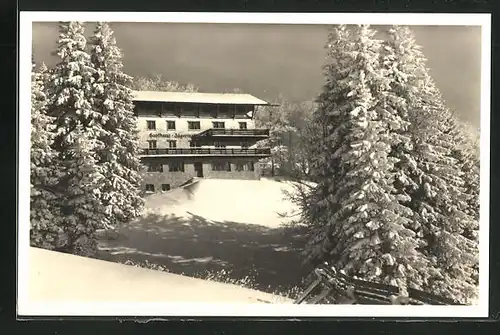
(204, 135)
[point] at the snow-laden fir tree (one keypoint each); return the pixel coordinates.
(470, 163)
(361, 215)
(44, 218)
(83, 213)
(118, 160)
(466, 151)
(428, 172)
(44, 73)
(77, 129)
(404, 65)
(441, 201)
(316, 210)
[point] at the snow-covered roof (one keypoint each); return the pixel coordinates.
(203, 98)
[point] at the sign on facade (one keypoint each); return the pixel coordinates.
(173, 135)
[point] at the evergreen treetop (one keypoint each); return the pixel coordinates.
(118, 160)
(430, 171)
(361, 217)
(43, 218)
(77, 139)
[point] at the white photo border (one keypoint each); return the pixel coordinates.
(29, 308)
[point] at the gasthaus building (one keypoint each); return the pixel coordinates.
(197, 135)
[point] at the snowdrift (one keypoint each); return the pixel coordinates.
(58, 277)
(260, 202)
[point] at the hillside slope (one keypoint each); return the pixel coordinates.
(262, 202)
(58, 277)
(230, 229)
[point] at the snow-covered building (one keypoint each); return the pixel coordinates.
(206, 135)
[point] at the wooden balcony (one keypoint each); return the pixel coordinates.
(213, 152)
(223, 132)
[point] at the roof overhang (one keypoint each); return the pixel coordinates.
(199, 98)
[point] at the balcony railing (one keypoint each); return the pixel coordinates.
(262, 152)
(235, 132)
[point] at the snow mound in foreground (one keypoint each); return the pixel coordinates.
(261, 202)
(58, 277)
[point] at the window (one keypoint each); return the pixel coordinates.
(165, 187)
(148, 109)
(219, 145)
(232, 111)
(150, 188)
(176, 167)
(172, 144)
(224, 111)
(194, 125)
(218, 125)
(213, 112)
(190, 110)
(243, 125)
(203, 110)
(151, 125)
(221, 166)
(178, 110)
(155, 167)
(170, 125)
(244, 111)
(152, 144)
(245, 167)
(168, 109)
(194, 144)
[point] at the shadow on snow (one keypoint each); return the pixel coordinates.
(195, 246)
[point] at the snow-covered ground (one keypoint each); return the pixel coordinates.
(58, 277)
(215, 226)
(260, 202)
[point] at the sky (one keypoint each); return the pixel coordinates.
(268, 60)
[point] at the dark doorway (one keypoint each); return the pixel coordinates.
(198, 167)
